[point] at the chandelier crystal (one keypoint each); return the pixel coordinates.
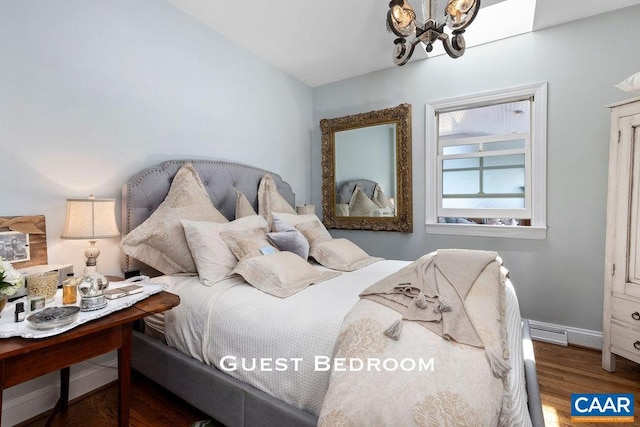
(401, 20)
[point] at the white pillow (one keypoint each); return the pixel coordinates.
(293, 219)
(281, 274)
(630, 84)
(212, 256)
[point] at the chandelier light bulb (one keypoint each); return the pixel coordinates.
(401, 20)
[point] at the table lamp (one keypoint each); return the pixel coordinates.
(90, 219)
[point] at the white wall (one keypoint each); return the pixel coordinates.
(93, 91)
(558, 280)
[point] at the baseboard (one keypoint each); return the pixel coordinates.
(39, 398)
(563, 335)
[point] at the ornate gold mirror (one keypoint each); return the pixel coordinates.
(366, 171)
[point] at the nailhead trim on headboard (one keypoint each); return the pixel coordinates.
(147, 189)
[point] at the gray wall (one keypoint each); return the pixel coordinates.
(558, 280)
(93, 91)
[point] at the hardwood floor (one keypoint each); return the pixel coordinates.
(561, 372)
(151, 405)
(566, 370)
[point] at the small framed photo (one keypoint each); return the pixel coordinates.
(14, 246)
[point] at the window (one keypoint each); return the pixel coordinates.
(486, 164)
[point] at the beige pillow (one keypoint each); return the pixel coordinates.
(342, 209)
(360, 204)
(270, 200)
(380, 199)
(281, 274)
(248, 243)
(341, 254)
(243, 206)
(314, 231)
(212, 256)
(160, 241)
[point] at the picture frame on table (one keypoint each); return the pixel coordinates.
(14, 246)
(29, 235)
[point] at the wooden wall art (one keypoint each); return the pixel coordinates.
(23, 240)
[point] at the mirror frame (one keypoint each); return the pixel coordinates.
(403, 220)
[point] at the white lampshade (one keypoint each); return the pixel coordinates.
(90, 219)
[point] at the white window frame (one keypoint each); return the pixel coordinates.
(538, 143)
(523, 213)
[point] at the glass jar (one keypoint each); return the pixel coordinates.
(70, 290)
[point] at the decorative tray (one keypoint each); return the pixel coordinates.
(36, 327)
(53, 317)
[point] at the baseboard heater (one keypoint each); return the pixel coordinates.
(548, 334)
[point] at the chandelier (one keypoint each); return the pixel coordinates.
(401, 20)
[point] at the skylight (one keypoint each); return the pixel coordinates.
(498, 21)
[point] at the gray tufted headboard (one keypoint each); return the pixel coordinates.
(345, 189)
(147, 189)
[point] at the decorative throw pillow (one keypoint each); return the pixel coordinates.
(341, 254)
(212, 256)
(342, 209)
(270, 200)
(248, 243)
(287, 238)
(380, 199)
(360, 204)
(243, 206)
(160, 241)
(281, 274)
(314, 231)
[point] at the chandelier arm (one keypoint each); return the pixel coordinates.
(454, 46)
(402, 52)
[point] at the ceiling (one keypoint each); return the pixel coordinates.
(320, 42)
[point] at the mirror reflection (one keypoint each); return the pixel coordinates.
(366, 186)
(366, 168)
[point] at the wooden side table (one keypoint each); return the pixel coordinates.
(24, 359)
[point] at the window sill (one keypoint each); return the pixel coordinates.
(507, 232)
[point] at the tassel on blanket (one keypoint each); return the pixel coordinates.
(421, 301)
(394, 330)
(441, 306)
(499, 366)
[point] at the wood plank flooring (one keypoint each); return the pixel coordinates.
(566, 370)
(561, 371)
(151, 405)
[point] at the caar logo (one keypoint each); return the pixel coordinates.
(602, 408)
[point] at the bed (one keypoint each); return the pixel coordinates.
(231, 399)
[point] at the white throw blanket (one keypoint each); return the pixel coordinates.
(447, 367)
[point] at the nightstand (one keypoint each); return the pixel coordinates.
(24, 359)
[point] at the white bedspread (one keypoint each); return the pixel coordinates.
(234, 319)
